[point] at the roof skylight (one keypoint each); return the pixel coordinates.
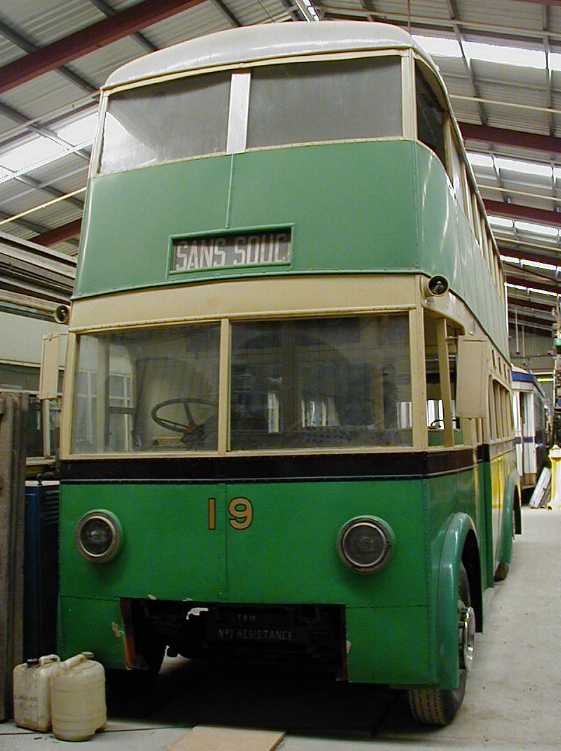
(439, 46)
(505, 55)
(480, 160)
(499, 221)
(80, 132)
(40, 150)
(537, 229)
(521, 165)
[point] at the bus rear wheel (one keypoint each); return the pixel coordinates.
(436, 706)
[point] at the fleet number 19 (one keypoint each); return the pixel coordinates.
(240, 513)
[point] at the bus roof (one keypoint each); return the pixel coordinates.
(263, 42)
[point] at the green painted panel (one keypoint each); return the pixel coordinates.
(92, 626)
(289, 554)
(447, 246)
(130, 216)
(382, 206)
(389, 645)
(168, 551)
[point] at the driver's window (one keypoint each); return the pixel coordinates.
(152, 390)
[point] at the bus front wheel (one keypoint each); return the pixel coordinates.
(436, 706)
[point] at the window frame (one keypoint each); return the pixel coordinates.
(238, 111)
(224, 382)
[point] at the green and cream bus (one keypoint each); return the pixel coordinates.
(287, 431)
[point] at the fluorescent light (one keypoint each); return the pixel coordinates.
(520, 165)
(499, 221)
(509, 259)
(505, 55)
(79, 132)
(438, 46)
(480, 160)
(536, 229)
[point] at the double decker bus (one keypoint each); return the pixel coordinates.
(286, 429)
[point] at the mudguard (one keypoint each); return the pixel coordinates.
(505, 549)
(448, 668)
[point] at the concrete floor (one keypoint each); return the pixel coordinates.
(513, 699)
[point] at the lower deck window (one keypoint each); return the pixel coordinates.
(330, 382)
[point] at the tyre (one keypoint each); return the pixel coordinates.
(503, 568)
(436, 706)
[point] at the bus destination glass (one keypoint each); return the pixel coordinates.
(232, 250)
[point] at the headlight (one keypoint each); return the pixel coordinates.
(98, 536)
(365, 544)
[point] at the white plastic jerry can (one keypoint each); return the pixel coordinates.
(32, 705)
(78, 698)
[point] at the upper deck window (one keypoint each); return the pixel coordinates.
(324, 101)
(166, 121)
(430, 118)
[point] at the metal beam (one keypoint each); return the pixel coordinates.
(228, 13)
(529, 303)
(433, 22)
(506, 137)
(540, 2)
(87, 40)
(59, 234)
(523, 255)
(24, 43)
(109, 11)
(517, 211)
(524, 282)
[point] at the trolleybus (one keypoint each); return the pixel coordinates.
(287, 427)
(530, 427)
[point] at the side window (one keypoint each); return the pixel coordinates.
(430, 118)
(455, 167)
(476, 219)
(440, 363)
(467, 194)
(491, 411)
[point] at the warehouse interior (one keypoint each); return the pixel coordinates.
(501, 63)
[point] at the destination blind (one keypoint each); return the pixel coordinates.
(226, 251)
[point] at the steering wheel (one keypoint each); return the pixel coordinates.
(435, 424)
(186, 429)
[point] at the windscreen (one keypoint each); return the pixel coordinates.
(324, 101)
(288, 103)
(166, 121)
(153, 390)
(318, 383)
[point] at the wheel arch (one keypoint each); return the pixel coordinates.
(472, 564)
(460, 546)
(511, 504)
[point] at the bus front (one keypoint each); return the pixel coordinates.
(245, 411)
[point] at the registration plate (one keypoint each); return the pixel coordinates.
(234, 626)
(226, 251)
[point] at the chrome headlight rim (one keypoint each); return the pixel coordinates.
(382, 528)
(109, 518)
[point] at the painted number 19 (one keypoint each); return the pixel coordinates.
(240, 513)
